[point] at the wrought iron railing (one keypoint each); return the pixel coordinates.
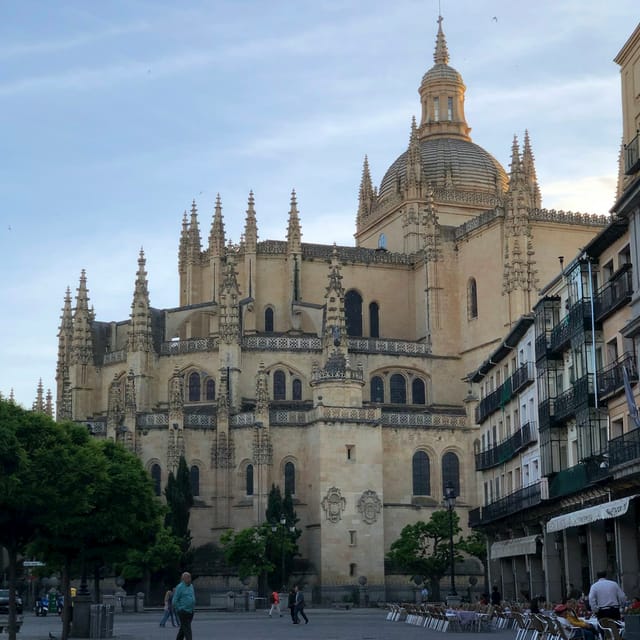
(632, 156)
(505, 450)
(524, 498)
(616, 293)
(624, 448)
(576, 478)
(572, 324)
(611, 378)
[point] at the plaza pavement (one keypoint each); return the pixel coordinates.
(324, 624)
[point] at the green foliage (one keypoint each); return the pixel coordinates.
(423, 548)
(246, 550)
(162, 555)
(281, 546)
(179, 503)
(475, 545)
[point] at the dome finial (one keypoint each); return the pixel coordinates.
(441, 54)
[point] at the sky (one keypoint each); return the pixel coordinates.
(116, 115)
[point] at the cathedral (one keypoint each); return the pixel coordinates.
(335, 372)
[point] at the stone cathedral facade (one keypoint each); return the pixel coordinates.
(333, 371)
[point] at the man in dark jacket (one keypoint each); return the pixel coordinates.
(300, 605)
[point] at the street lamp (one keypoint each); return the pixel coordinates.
(450, 503)
(283, 529)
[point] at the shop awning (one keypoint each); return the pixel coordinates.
(514, 547)
(611, 509)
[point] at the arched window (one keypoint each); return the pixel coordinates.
(194, 478)
(296, 389)
(421, 474)
(156, 476)
(417, 392)
(374, 321)
(382, 241)
(249, 479)
(279, 385)
(210, 389)
(268, 320)
(353, 313)
(194, 387)
(472, 299)
(398, 389)
(289, 478)
(377, 389)
(451, 471)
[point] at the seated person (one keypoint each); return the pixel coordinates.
(575, 627)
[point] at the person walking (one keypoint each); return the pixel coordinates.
(292, 605)
(496, 596)
(184, 601)
(275, 603)
(300, 606)
(606, 598)
(168, 609)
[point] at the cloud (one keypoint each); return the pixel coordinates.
(41, 47)
(589, 194)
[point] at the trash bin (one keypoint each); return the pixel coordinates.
(231, 601)
(100, 621)
(139, 602)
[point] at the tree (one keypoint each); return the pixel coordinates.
(423, 549)
(282, 545)
(179, 502)
(246, 550)
(163, 555)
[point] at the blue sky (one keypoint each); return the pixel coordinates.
(116, 114)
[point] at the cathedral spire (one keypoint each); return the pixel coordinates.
(441, 53)
(367, 195)
(335, 330)
(414, 163)
(39, 405)
(65, 337)
(294, 232)
(250, 226)
(529, 169)
(216, 235)
(194, 244)
(140, 335)
(184, 243)
(82, 341)
(516, 171)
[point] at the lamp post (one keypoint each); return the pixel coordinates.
(450, 503)
(283, 530)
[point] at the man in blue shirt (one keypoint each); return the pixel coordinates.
(184, 601)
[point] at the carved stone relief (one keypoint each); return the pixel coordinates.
(333, 505)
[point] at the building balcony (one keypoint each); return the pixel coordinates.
(578, 477)
(546, 414)
(580, 395)
(577, 319)
(508, 448)
(611, 378)
(615, 294)
(522, 377)
(520, 500)
(624, 448)
(632, 156)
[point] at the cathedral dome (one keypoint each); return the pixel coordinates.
(450, 163)
(441, 71)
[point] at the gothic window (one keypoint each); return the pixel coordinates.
(382, 241)
(451, 471)
(210, 389)
(268, 320)
(374, 320)
(156, 476)
(417, 392)
(194, 387)
(296, 389)
(194, 478)
(279, 385)
(472, 299)
(377, 389)
(353, 313)
(436, 109)
(421, 474)
(398, 389)
(249, 479)
(289, 478)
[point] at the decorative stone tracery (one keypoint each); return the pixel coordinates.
(369, 505)
(333, 504)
